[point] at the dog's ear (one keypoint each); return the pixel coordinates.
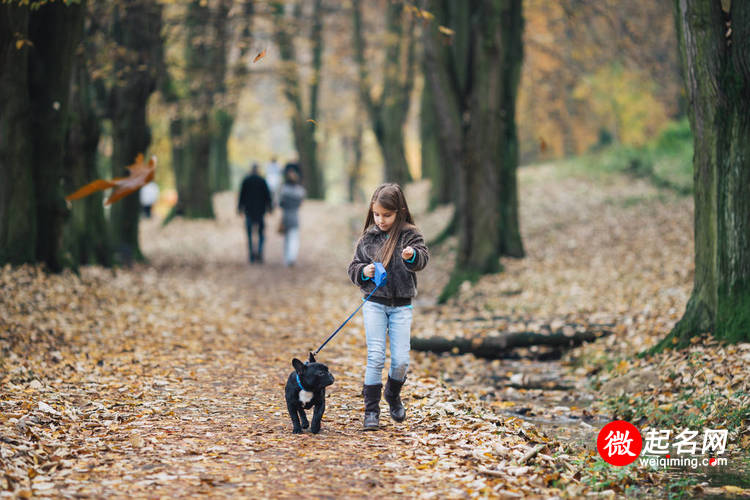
(299, 367)
(312, 358)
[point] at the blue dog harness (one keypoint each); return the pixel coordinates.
(380, 277)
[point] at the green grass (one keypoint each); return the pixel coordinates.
(711, 408)
(666, 161)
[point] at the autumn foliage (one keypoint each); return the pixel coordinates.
(140, 174)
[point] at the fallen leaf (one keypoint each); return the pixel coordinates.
(140, 175)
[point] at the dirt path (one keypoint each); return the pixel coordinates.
(168, 380)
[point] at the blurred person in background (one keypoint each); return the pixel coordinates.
(254, 202)
(148, 195)
(290, 198)
(273, 178)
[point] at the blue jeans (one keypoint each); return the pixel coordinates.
(381, 322)
(259, 223)
(291, 245)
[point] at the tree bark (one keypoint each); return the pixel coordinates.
(433, 166)
(137, 31)
(86, 238)
(304, 118)
(715, 56)
(498, 347)
(221, 175)
(222, 116)
(192, 129)
(474, 77)
(55, 31)
(389, 111)
(17, 196)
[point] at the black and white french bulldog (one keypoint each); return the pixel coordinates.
(306, 388)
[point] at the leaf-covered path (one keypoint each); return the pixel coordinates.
(167, 380)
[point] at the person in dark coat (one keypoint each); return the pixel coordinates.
(254, 202)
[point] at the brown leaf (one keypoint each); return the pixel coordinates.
(140, 175)
(260, 56)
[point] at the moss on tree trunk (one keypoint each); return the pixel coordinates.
(716, 69)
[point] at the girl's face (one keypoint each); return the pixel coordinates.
(384, 218)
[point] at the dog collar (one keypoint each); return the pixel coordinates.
(300, 383)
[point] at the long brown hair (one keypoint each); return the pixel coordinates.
(391, 197)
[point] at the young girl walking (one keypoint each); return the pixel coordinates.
(389, 237)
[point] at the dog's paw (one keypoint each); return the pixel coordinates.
(297, 431)
(315, 429)
(305, 425)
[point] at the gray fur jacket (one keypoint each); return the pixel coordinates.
(402, 280)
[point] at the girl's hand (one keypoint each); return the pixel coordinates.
(407, 253)
(369, 270)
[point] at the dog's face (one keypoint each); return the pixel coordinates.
(312, 374)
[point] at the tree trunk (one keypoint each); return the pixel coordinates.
(87, 235)
(196, 202)
(388, 113)
(433, 166)
(303, 118)
(352, 146)
(194, 125)
(179, 153)
(222, 116)
(55, 31)
(221, 175)
(137, 31)
(715, 55)
(475, 82)
(17, 197)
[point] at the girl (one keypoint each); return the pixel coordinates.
(389, 237)
(290, 199)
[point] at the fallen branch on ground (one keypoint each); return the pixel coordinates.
(498, 347)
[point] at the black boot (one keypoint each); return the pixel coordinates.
(372, 406)
(393, 396)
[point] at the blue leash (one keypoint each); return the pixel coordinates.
(380, 276)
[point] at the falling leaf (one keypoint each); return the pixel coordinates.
(426, 15)
(260, 56)
(140, 175)
(446, 31)
(310, 120)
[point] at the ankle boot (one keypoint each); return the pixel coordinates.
(393, 396)
(372, 406)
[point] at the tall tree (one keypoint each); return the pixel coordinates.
(388, 110)
(17, 199)
(304, 117)
(137, 32)
(222, 117)
(194, 116)
(37, 52)
(715, 55)
(473, 54)
(433, 167)
(87, 238)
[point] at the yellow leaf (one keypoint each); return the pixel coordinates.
(446, 31)
(426, 15)
(733, 489)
